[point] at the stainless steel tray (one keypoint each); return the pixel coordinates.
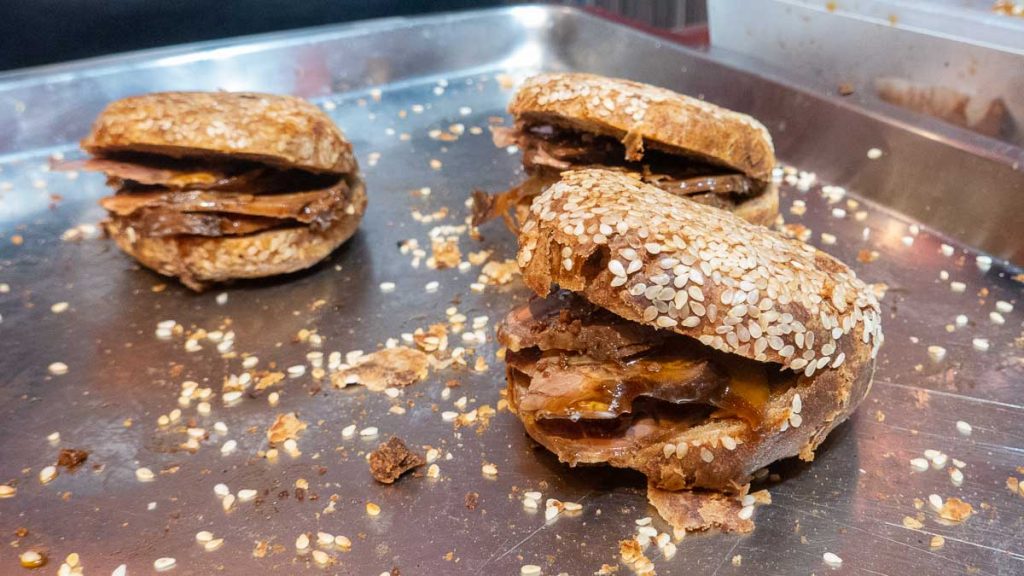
(851, 501)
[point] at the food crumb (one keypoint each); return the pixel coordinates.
(392, 459)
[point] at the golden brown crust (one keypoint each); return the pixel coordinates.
(657, 259)
(747, 290)
(282, 131)
(642, 115)
(199, 261)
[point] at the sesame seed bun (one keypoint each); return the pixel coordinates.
(665, 120)
(199, 261)
(656, 259)
(281, 131)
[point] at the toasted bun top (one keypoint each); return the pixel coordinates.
(663, 119)
(658, 259)
(282, 131)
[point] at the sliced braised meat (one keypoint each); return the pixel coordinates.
(159, 222)
(548, 146)
(565, 321)
(580, 387)
(317, 208)
(169, 173)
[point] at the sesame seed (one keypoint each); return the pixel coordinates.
(961, 320)
(59, 307)
(213, 544)
(957, 286)
(433, 471)
(936, 353)
(246, 495)
(58, 368)
(795, 420)
(1004, 306)
(161, 564)
(874, 153)
(296, 370)
(343, 542)
(996, 318)
(980, 344)
(832, 560)
(144, 475)
(204, 536)
(939, 461)
(616, 268)
(7, 491)
(706, 455)
(227, 502)
(983, 262)
(956, 477)
(946, 250)
(936, 502)
(432, 286)
(47, 474)
(529, 570)
(797, 404)
(221, 490)
(746, 512)
(489, 470)
(728, 442)
(387, 287)
(681, 450)
(372, 509)
(963, 428)
(302, 542)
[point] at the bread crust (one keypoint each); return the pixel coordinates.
(281, 131)
(200, 261)
(658, 118)
(808, 313)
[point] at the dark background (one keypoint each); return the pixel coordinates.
(35, 32)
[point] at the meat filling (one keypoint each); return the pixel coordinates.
(163, 196)
(590, 380)
(548, 150)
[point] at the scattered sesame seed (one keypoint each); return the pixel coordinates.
(936, 502)
(746, 512)
(369, 431)
(961, 320)
(827, 238)
(58, 368)
(706, 455)
(7, 491)
(874, 153)
(247, 495)
(908, 240)
(529, 570)
(296, 370)
(489, 470)
(214, 544)
(372, 509)
(936, 353)
(963, 428)
(121, 570)
(343, 542)
(144, 475)
(348, 431)
(322, 558)
(1004, 306)
(387, 287)
(59, 307)
(47, 474)
(302, 542)
(161, 564)
(956, 477)
(222, 298)
(957, 286)
(832, 560)
(983, 262)
(31, 559)
(434, 471)
(996, 318)
(432, 286)
(919, 464)
(980, 344)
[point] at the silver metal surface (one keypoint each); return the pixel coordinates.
(955, 44)
(851, 501)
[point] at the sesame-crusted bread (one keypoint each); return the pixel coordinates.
(199, 261)
(656, 259)
(650, 116)
(281, 131)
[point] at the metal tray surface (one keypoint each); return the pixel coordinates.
(432, 73)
